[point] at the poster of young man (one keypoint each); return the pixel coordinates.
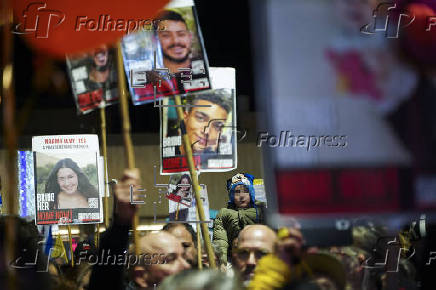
(169, 58)
(67, 179)
(94, 79)
(210, 121)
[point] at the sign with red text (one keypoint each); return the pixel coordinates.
(94, 78)
(210, 121)
(67, 179)
(168, 59)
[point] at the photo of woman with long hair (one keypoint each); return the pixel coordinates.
(71, 187)
(183, 188)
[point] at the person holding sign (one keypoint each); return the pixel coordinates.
(70, 185)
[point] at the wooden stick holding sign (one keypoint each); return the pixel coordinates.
(177, 211)
(199, 252)
(124, 107)
(104, 148)
(70, 238)
(97, 236)
(195, 185)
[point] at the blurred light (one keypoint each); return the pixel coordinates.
(7, 77)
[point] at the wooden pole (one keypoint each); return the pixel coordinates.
(196, 186)
(97, 236)
(128, 146)
(177, 211)
(70, 238)
(104, 148)
(7, 97)
(199, 251)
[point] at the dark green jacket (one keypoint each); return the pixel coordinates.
(230, 221)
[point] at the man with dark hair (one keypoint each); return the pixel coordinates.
(188, 238)
(204, 120)
(176, 41)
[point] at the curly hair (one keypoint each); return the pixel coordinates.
(84, 186)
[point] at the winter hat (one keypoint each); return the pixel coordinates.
(241, 179)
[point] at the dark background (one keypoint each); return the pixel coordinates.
(45, 103)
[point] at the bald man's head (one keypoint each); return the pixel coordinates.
(259, 234)
(254, 241)
(158, 244)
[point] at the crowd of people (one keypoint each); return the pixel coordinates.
(248, 254)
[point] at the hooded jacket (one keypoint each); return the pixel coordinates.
(231, 220)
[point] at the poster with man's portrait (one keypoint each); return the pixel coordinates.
(67, 179)
(210, 122)
(209, 118)
(167, 57)
(94, 78)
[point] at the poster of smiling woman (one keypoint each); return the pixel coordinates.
(66, 181)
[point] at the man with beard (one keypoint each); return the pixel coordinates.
(176, 41)
(254, 242)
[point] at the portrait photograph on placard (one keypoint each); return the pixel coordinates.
(181, 199)
(94, 79)
(209, 118)
(66, 188)
(167, 57)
